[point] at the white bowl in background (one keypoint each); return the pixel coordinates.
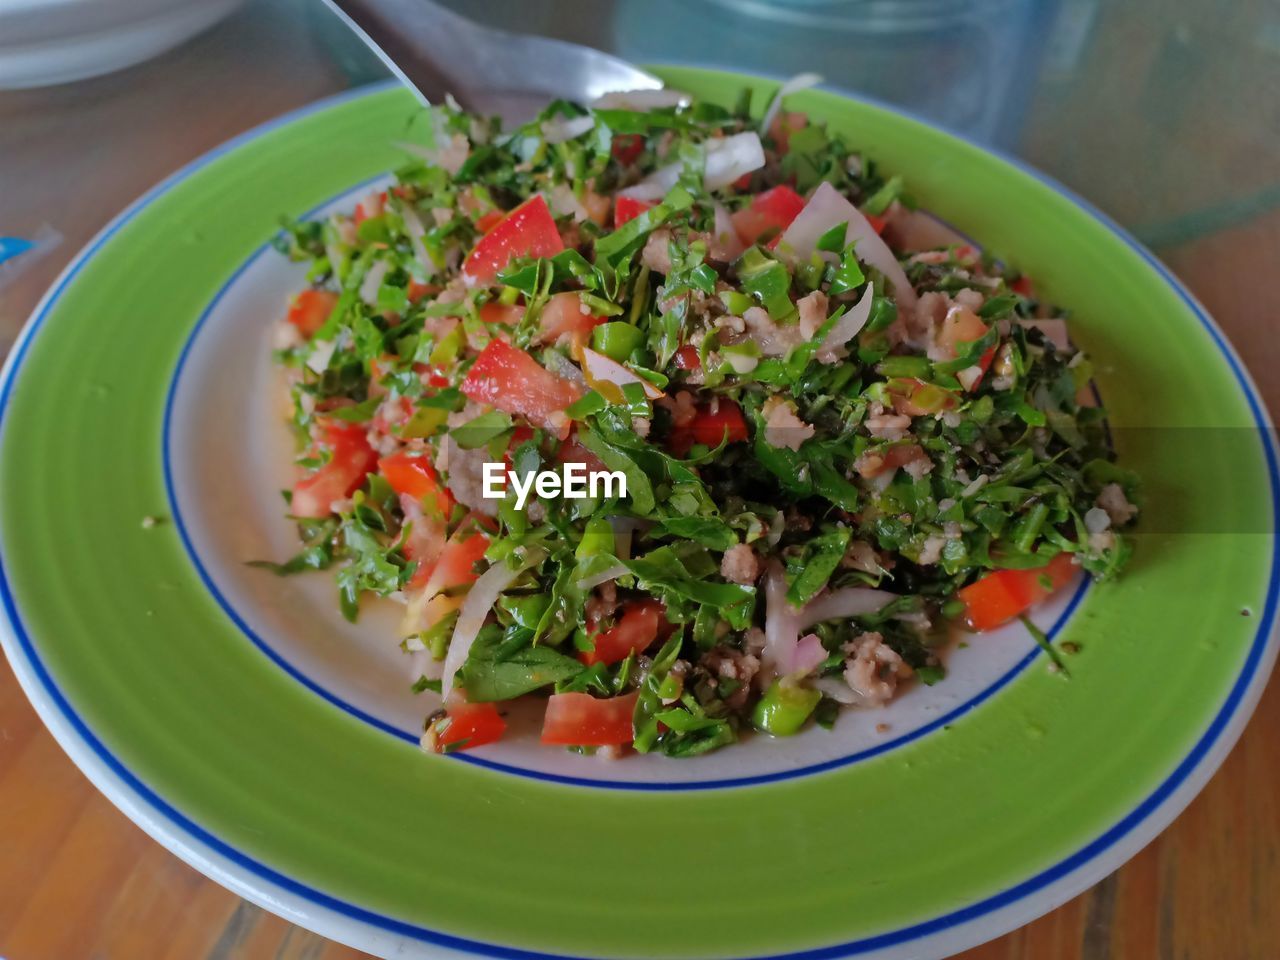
(44, 42)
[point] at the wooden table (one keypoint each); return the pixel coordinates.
(77, 879)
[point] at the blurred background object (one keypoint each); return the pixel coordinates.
(55, 41)
(958, 63)
(1164, 113)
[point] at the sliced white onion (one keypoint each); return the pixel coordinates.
(451, 156)
(372, 281)
(969, 376)
(475, 610)
(847, 327)
(604, 576)
(624, 529)
(809, 653)
(334, 254)
(777, 526)
(654, 186)
(560, 129)
(844, 603)
(565, 203)
(781, 623)
(801, 81)
(598, 367)
(829, 208)
(917, 618)
(642, 100)
(836, 689)
(727, 158)
(321, 352)
(414, 227)
(563, 367)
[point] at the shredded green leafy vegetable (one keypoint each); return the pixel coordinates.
(803, 433)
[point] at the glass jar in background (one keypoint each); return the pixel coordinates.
(1161, 112)
(969, 66)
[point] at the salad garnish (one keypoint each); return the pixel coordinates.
(840, 432)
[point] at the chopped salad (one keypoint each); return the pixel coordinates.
(839, 434)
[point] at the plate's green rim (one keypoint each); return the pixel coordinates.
(1248, 676)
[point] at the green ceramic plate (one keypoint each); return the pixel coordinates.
(238, 721)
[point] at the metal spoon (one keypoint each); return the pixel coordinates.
(435, 51)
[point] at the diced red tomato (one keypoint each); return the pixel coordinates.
(425, 539)
(512, 381)
(416, 291)
(467, 725)
(571, 451)
(527, 231)
(784, 125)
(687, 357)
(579, 719)
(431, 376)
(961, 325)
(769, 212)
(309, 310)
(915, 398)
(350, 462)
(627, 148)
(444, 568)
(984, 364)
(501, 314)
(562, 314)
(628, 208)
(899, 455)
(1023, 286)
(710, 428)
(634, 632)
(877, 222)
(411, 474)
(457, 564)
(1002, 595)
(488, 221)
(742, 183)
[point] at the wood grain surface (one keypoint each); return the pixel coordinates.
(78, 880)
